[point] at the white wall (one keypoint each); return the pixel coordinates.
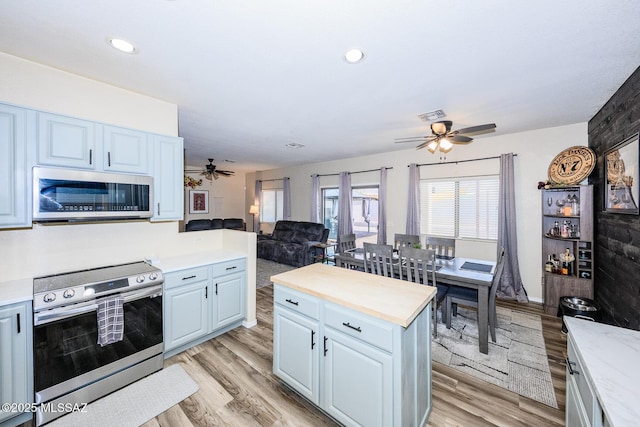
(226, 196)
(534, 149)
(48, 249)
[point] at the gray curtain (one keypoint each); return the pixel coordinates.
(286, 198)
(413, 205)
(345, 220)
(315, 198)
(256, 200)
(510, 286)
(382, 210)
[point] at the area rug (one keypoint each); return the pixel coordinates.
(517, 361)
(136, 403)
(265, 269)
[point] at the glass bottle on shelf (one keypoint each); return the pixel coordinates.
(548, 267)
(556, 229)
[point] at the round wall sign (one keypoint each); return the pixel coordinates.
(572, 165)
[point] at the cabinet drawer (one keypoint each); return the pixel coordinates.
(296, 301)
(185, 277)
(363, 327)
(227, 267)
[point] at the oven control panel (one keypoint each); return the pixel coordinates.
(65, 296)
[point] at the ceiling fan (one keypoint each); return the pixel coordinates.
(210, 172)
(443, 138)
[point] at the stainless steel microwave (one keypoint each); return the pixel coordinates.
(68, 195)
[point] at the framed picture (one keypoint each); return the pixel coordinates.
(621, 177)
(198, 201)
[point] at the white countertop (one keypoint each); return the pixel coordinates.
(397, 301)
(20, 290)
(13, 291)
(180, 262)
(610, 354)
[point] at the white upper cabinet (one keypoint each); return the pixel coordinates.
(125, 150)
(168, 181)
(15, 171)
(66, 141)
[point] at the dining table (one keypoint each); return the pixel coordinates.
(458, 271)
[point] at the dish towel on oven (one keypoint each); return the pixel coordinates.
(110, 320)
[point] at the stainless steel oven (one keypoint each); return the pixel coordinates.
(70, 367)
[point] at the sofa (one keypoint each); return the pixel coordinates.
(292, 242)
(216, 224)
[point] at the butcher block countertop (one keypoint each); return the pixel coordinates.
(393, 300)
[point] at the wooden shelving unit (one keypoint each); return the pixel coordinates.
(580, 244)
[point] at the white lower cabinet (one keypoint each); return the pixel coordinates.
(582, 406)
(16, 360)
(202, 302)
(360, 370)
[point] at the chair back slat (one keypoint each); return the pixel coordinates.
(418, 265)
(444, 247)
(378, 259)
(404, 240)
(346, 242)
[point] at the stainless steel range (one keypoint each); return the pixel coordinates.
(70, 367)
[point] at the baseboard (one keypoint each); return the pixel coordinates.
(250, 324)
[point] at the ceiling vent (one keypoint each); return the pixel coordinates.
(432, 115)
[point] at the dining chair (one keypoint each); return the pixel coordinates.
(419, 266)
(378, 259)
(403, 240)
(346, 242)
(444, 247)
(469, 297)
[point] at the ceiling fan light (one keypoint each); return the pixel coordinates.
(445, 145)
(432, 147)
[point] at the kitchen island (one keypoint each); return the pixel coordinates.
(355, 344)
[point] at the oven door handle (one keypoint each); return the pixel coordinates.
(48, 316)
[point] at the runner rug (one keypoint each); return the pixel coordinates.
(136, 403)
(517, 361)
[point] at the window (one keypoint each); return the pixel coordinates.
(271, 205)
(364, 212)
(460, 208)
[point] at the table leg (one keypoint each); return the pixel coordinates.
(483, 318)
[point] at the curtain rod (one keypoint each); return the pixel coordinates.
(269, 180)
(351, 173)
(460, 161)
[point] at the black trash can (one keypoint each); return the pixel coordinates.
(582, 308)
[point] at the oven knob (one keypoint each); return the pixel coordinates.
(50, 297)
(153, 276)
(140, 279)
(69, 293)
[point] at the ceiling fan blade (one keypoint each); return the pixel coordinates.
(459, 139)
(416, 139)
(424, 144)
(225, 173)
(476, 129)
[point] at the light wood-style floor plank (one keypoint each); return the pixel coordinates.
(241, 362)
(237, 387)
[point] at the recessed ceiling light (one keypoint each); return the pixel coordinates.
(122, 45)
(294, 145)
(353, 56)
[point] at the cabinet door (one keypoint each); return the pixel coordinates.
(168, 178)
(125, 150)
(15, 171)
(229, 300)
(575, 415)
(14, 357)
(65, 141)
(357, 387)
(186, 314)
(296, 346)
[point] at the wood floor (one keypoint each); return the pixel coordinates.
(237, 387)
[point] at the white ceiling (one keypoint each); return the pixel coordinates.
(250, 76)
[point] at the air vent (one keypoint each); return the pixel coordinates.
(432, 115)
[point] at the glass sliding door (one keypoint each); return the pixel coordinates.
(364, 212)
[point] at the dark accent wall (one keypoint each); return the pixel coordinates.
(617, 236)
